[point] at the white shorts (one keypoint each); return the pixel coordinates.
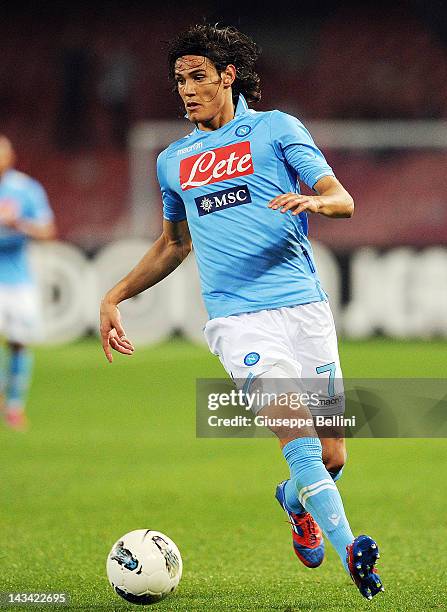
(20, 314)
(292, 349)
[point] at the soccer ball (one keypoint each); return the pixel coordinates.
(144, 566)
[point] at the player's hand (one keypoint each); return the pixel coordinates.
(296, 203)
(9, 217)
(113, 335)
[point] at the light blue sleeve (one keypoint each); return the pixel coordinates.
(294, 144)
(173, 206)
(37, 206)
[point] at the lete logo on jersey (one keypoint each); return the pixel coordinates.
(216, 165)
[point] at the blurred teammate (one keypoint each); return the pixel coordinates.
(24, 214)
(231, 189)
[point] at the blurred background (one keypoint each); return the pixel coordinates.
(85, 98)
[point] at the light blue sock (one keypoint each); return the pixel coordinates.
(19, 377)
(291, 493)
(3, 368)
(317, 492)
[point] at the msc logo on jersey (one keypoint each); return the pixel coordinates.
(243, 130)
(216, 165)
(219, 200)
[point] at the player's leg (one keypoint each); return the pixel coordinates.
(317, 353)
(310, 487)
(260, 337)
(19, 378)
(306, 534)
(22, 327)
(4, 353)
(313, 463)
(273, 370)
(362, 553)
(319, 496)
(307, 538)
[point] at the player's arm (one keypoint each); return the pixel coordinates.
(37, 231)
(332, 200)
(294, 145)
(164, 256)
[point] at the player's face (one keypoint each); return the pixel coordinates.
(6, 155)
(200, 86)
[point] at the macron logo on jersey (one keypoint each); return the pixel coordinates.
(194, 147)
(216, 165)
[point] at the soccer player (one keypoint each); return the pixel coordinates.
(24, 214)
(231, 189)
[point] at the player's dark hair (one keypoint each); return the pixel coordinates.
(222, 46)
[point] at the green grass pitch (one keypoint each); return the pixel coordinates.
(112, 448)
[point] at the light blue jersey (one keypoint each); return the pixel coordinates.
(27, 198)
(249, 256)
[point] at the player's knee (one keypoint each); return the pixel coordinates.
(335, 459)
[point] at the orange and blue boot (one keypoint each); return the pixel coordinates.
(307, 538)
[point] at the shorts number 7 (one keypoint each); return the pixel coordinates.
(329, 367)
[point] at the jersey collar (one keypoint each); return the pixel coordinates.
(242, 106)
